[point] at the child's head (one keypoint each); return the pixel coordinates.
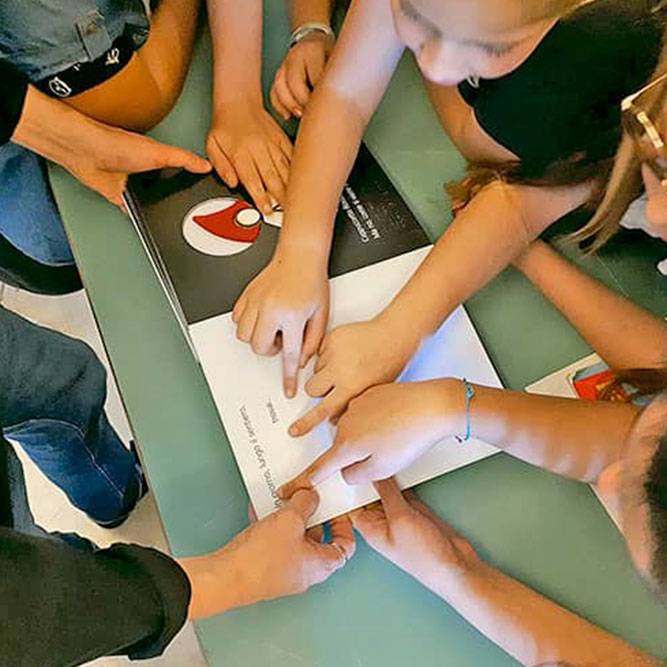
(457, 39)
(636, 488)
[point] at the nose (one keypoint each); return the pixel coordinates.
(441, 62)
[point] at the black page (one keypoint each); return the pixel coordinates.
(373, 224)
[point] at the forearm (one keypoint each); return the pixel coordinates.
(326, 148)
(80, 599)
(214, 580)
(48, 127)
(622, 333)
(333, 124)
(305, 11)
(236, 30)
(578, 439)
(531, 628)
(497, 225)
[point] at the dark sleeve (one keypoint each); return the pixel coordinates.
(63, 606)
(13, 88)
(564, 101)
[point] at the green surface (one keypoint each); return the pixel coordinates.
(549, 532)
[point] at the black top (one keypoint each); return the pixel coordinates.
(62, 605)
(13, 87)
(564, 101)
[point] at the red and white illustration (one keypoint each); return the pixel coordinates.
(225, 226)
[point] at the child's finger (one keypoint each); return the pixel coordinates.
(315, 329)
(321, 469)
(297, 79)
(222, 165)
(328, 407)
(249, 176)
(316, 534)
(284, 94)
(264, 334)
(292, 336)
(246, 325)
(393, 502)
(319, 384)
(342, 535)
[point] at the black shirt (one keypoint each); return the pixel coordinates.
(62, 605)
(564, 101)
(13, 87)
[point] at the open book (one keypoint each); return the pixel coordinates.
(207, 242)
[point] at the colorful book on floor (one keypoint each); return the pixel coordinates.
(207, 242)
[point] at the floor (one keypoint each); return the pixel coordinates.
(72, 315)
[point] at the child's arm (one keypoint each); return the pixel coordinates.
(497, 225)
(244, 143)
(531, 628)
(291, 295)
(389, 426)
(622, 333)
(304, 62)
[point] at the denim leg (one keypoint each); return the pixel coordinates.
(29, 219)
(23, 520)
(52, 393)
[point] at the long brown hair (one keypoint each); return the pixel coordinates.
(625, 182)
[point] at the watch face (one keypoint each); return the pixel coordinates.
(224, 226)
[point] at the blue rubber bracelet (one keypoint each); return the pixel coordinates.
(470, 394)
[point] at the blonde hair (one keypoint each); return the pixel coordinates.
(625, 182)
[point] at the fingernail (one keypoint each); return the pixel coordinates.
(293, 430)
(298, 113)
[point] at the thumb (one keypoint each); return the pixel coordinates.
(304, 502)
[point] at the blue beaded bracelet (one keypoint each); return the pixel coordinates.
(470, 394)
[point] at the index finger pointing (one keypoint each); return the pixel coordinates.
(392, 499)
(292, 340)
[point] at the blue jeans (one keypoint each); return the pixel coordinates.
(43, 39)
(52, 394)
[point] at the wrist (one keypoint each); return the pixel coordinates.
(407, 338)
(451, 402)
(457, 578)
(216, 583)
(49, 126)
(238, 101)
(308, 254)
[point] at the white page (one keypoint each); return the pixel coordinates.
(247, 390)
(559, 383)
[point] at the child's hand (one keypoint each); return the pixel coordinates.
(285, 307)
(245, 144)
(385, 429)
(353, 358)
(272, 558)
(298, 74)
(410, 535)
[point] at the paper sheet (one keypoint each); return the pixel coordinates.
(247, 390)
